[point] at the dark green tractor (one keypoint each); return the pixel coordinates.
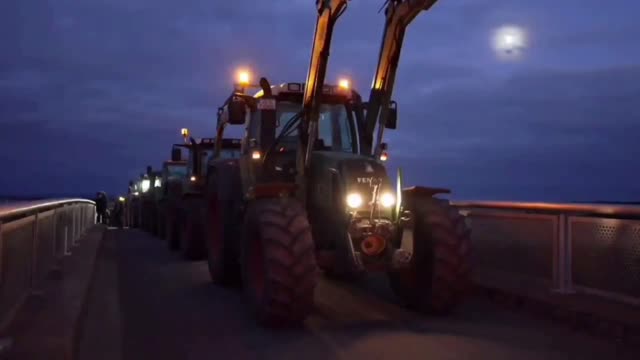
(311, 191)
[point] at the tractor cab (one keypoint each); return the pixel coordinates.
(229, 149)
(174, 172)
(198, 153)
(272, 120)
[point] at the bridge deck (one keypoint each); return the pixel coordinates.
(147, 303)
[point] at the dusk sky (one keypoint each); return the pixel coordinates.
(92, 91)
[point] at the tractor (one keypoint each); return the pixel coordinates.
(151, 191)
(310, 191)
(174, 173)
(191, 207)
(134, 203)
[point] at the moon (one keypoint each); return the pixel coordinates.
(509, 40)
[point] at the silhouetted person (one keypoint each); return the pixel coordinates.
(116, 214)
(101, 206)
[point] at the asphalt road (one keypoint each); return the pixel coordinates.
(147, 303)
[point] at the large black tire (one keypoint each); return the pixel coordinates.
(192, 234)
(440, 274)
(172, 228)
(160, 221)
(221, 230)
(279, 268)
(153, 220)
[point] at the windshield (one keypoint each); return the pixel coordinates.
(230, 153)
(176, 171)
(334, 129)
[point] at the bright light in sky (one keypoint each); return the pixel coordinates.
(509, 41)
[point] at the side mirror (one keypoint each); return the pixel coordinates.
(384, 146)
(392, 118)
(176, 154)
(237, 110)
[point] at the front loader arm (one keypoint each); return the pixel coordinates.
(399, 14)
(328, 13)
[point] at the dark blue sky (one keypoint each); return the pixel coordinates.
(92, 91)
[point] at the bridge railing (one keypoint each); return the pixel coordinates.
(570, 248)
(34, 238)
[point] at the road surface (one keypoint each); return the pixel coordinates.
(147, 303)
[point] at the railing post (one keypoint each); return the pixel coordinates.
(74, 219)
(568, 243)
(34, 249)
(562, 257)
(81, 220)
(54, 231)
(67, 231)
(1, 255)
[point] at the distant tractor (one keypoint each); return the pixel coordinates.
(150, 194)
(134, 203)
(310, 191)
(174, 175)
(191, 207)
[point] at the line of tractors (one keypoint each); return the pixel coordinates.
(306, 191)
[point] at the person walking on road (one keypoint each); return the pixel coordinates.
(101, 206)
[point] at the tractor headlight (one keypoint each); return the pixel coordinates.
(354, 200)
(387, 200)
(146, 183)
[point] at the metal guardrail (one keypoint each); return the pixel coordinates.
(34, 237)
(584, 248)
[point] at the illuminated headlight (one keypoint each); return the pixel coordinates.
(387, 200)
(157, 183)
(354, 200)
(146, 183)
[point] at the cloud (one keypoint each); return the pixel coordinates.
(94, 91)
(539, 130)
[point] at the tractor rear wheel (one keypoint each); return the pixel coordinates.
(191, 236)
(440, 274)
(279, 268)
(223, 266)
(172, 229)
(160, 222)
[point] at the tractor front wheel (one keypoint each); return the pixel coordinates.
(172, 230)
(439, 277)
(160, 222)
(223, 266)
(278, 261)
(191, 237)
